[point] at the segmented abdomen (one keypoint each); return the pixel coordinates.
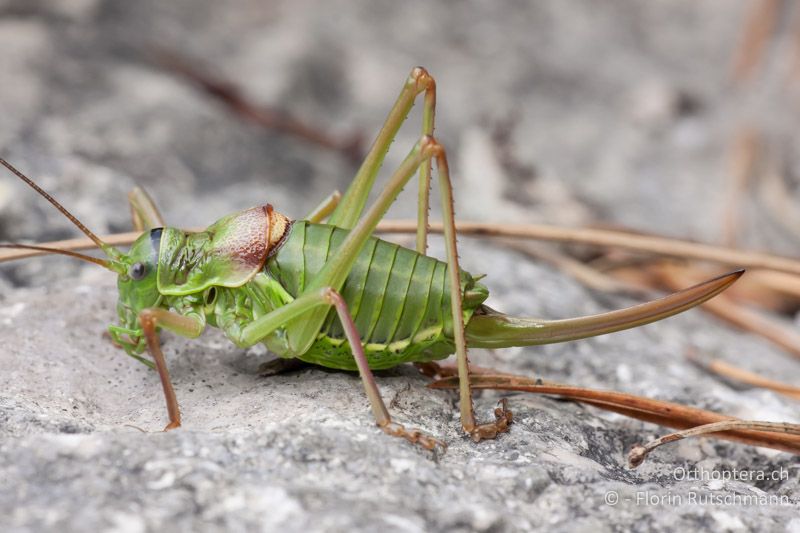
(393, 293)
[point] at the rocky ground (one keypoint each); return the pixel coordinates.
(568, 113)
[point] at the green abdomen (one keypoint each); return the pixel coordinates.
(399, 299)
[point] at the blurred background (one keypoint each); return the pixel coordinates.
(669, 117)
(672, 117)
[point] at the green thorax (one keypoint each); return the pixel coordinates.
(229, 253)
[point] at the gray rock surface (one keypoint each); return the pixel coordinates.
(588, 96)
(300, 451)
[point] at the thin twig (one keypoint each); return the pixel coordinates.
(755, 34)
(748, 320)
(778, 199)
(232, 97)
(767, 289)
(745, 149)
(659, 412)
(117, 239)
(795, 28)
(729, 371)
(639, 452)
(787, 284)
(653, 244)
(661, 246)
(582, 272)
(726, 308)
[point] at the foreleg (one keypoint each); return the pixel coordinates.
(150, 320)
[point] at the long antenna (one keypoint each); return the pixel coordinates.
(57, 205)
(95, 260)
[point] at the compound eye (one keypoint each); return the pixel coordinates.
(137, 271)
